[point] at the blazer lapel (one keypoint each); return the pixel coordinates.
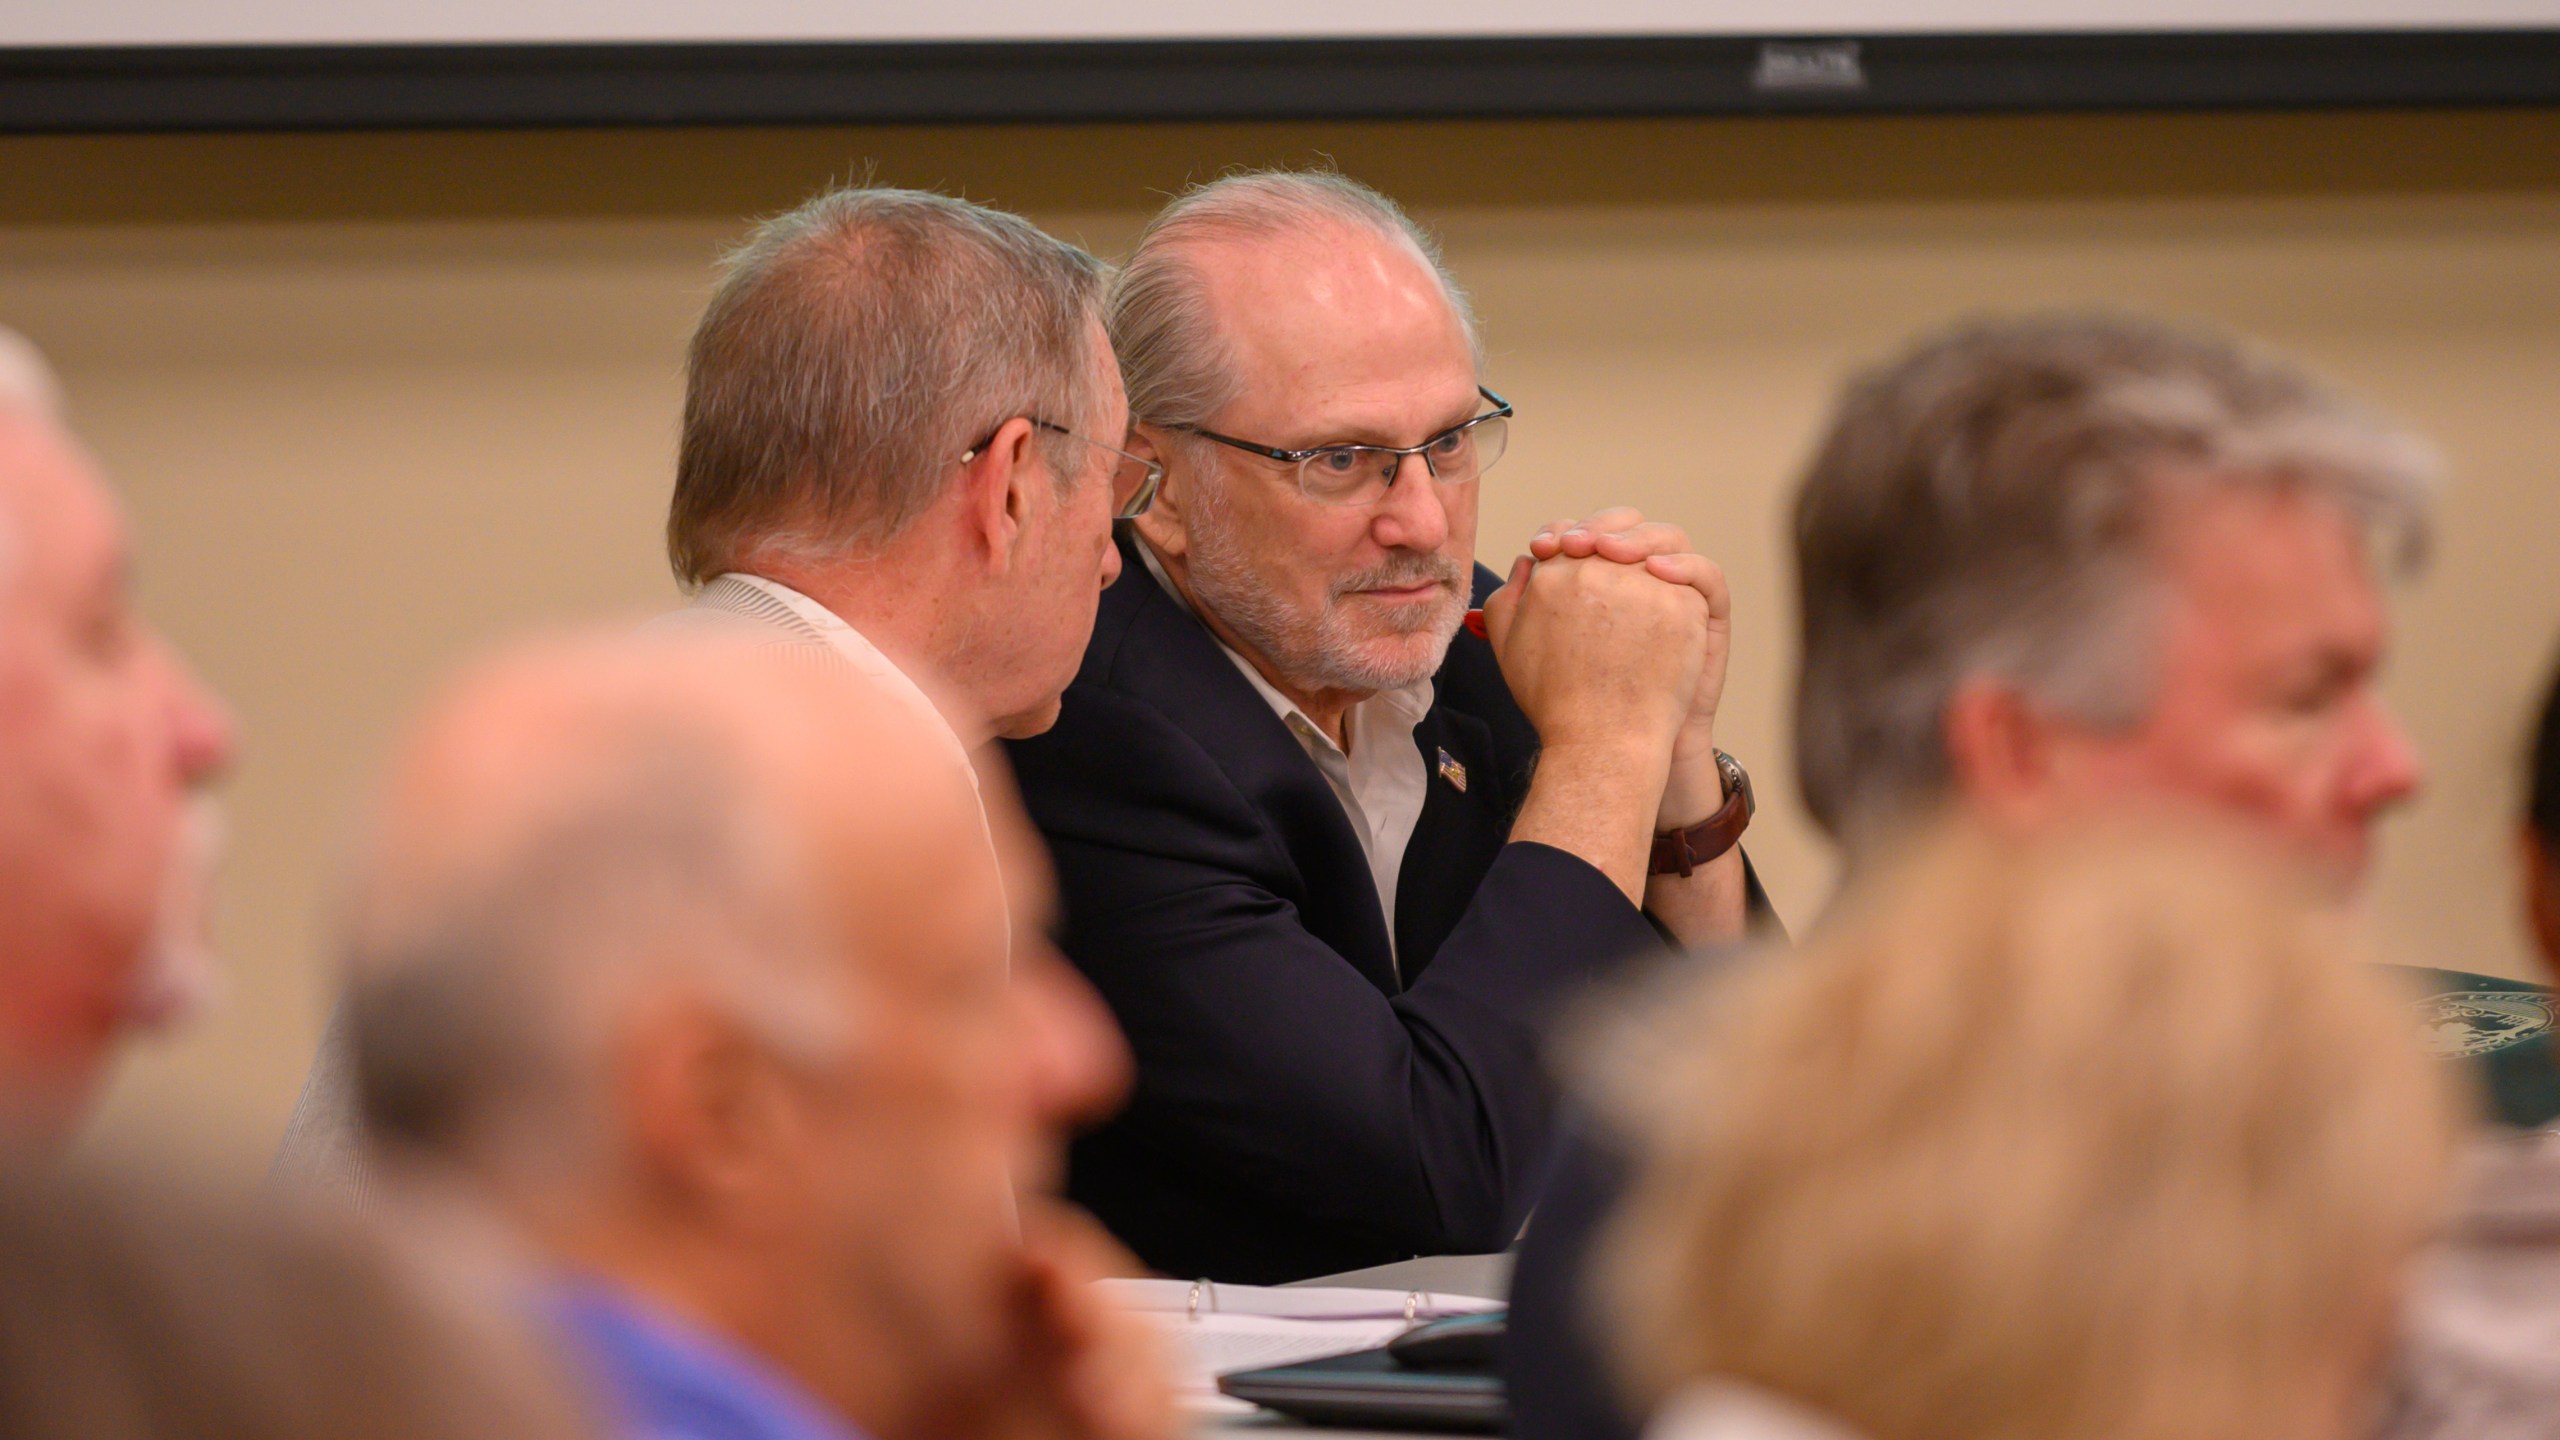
(1466, 816)
(1189, 679)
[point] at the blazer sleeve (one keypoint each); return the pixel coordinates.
(1422, 1117)
(1553, 1367)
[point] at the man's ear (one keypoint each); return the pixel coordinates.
(996, 491)
(2542, 898)
(1166, 523)
(707, 1108)
(2000, 752)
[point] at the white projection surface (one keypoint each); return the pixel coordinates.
(58, 23)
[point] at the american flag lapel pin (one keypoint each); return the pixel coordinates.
(1452, 771)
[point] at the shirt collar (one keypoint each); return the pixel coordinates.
(857, 650)
(1405, 705)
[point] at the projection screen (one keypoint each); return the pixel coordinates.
(125, 64)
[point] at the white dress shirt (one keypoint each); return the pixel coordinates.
(1381, 780)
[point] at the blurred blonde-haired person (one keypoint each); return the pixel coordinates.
(2101, 1138)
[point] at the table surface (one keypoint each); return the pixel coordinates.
(1485, 1275)
(1488, 1276)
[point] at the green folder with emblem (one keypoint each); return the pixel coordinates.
(2502, 1027)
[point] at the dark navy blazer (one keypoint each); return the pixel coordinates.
(1299, 1107)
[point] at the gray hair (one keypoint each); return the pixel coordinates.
(1979, 507)
(1176, 365)
(483, 991)
(855, 348)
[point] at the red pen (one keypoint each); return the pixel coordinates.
(1474, 620)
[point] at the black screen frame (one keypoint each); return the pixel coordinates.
(256, 88)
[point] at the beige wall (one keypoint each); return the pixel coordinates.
(378, 399)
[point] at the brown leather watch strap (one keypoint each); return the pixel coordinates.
(1681, 852)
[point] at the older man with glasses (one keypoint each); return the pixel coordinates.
(1335, 850)
(901, 442)
(900, 453)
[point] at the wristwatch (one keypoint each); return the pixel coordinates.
(1681, 852)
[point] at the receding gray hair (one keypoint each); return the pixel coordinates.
(855, 349)
(1979, 508)
(483, 990)
(1176, 365)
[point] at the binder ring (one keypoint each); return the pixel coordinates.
(1201, 1289)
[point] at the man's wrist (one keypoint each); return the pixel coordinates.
(1624, 749)
(1681, 850)
(1695, 788)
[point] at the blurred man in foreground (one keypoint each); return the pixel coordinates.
(2052, 568)
(1333, 860)
(106, 743)
(689, 963)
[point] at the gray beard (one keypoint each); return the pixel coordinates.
(1322, 653)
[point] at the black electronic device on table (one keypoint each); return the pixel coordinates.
(1440, 1375)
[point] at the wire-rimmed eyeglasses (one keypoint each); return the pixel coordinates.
(1134, 481)
(1363, 474)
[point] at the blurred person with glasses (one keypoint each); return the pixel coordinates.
(1333, 855)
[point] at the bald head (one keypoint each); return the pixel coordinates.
(546, 739)
(588, 824)
(692, 957)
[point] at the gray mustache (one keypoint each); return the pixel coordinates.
(1413, 570)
